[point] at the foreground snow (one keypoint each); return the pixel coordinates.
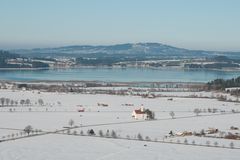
(62, 147)
(117, 117)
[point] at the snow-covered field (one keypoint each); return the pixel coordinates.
(62, 147)
(59, 108)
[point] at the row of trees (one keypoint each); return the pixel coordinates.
(113, 134)
(10, 102)
(197, 111)
(208, 143)
(28, 130)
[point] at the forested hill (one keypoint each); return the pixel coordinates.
(130, 50)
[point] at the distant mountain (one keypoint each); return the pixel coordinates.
(148, 50)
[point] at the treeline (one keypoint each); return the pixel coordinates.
(106, 61)
(39, 65)
(221, 84)
(109, 60)
(212, 65)
(220, 62)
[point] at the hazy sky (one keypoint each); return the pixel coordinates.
(194, 24)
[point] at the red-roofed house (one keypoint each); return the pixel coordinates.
(139, 114)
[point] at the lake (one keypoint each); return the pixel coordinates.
(118, 74)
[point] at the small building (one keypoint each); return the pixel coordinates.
(81, 110)
(185, 133)
(139, 114)
(212, 130)
(232, 89)
(102, 104)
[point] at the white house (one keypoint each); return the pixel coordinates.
(232, 89)
(139, 114)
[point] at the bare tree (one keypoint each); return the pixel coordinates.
(71, 122)
(100, 132)
(147, 138)
(12, 102)
(172, 114)
(91, 132)
(28, 129)
(139, 137)
(202, 132)
(193, 142)
(75, 132)
(7, 100)
(231, 145)
(113, 134)
(40, 102)
(81, 132)
(107, 133)
(197, 111)
(208, 143)
(27, 102)
(185, 141)
(68, 131)
(2, 101)
(22, 102)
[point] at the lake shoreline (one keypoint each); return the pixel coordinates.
(107, 67)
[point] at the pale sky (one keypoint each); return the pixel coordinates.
(192, 24)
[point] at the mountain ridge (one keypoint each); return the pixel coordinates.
(144, 49)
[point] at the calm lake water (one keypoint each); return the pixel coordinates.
(118, 74)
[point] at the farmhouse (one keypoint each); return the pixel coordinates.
(139, 114)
